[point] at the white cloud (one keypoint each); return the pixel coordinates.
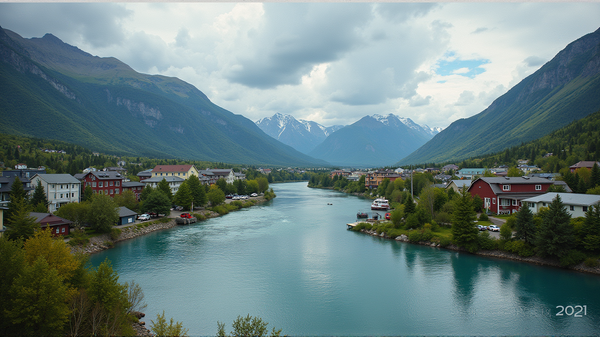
(329, 62)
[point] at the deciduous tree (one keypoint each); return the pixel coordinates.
(215, 195)
(183, 197)
(198, 191)
(157, 202)
(161, 328)
(103, 213)
(163, 185)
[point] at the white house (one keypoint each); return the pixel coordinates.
(60, 189)
(174, 182)
(577, 204)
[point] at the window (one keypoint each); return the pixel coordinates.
(94, 184)
(504, 202)
(57, 230)
(111, 191)
(584, 208)
(117, 183)
(493, 201)
(506, 187)
(116, 191)
(111, 183)
(63, 230)
(538, 187)
(61, 196)
(514, 202)
(572, 208)
(52, 186)
(543, 204)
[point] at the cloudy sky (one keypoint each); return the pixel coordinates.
(328, 62)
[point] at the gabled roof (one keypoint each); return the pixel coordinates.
(584, 163)
(171, 168)
(514, 180)
(59, 178)
(567, 198)
(48, 219)
(132, 184)
(107, 175)
(169, 179)
(460, 183)
(124, 211)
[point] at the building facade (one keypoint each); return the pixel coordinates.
(102, 182)
(577, 204)
(504, 195)
(60, 189)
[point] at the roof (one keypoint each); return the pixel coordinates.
(133, 184)
(48, 219)
(460, 183)
(567, 198)
(585, 163)
(59, 178)
(169, 179)
(124, 211)
(172, 168)
(145, 173)
(514, 180)
(106, 175)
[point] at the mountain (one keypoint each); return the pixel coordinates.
(56, 91)
(302, 135)
(565, 89)
(373, 141)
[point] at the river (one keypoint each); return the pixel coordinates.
(292, 262)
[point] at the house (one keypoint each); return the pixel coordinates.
(449, 167)
(470, 173)
(374, 178)
(126, 216)
(102, 182)
(181, 171)
(457, 185)
(2, 230)
(503, 195)
(340, 173)
(60, 189)
(583, 164)
(577, 204)
(135, 187)
(174, 182)
(8, 178)
(227, 174)
(145, 174)
(57, 225)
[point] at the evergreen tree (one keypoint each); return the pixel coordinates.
(524, 225)
(555, 235)
(21, 225)
(590, 231)
(595, 176)
(183, 197)
(198, 191)
(163, 186)
(464, 232)
(17, 195)
(11, 265)
(87, 193)
(39, 196)
(409, 206)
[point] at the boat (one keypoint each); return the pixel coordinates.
(380, 203)
(362, 215)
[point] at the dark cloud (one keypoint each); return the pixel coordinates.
(296, 37)
(98, 24)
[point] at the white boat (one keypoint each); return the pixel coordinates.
(380, 203)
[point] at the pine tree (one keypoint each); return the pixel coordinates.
(21, 225)
(39, 196)
(595, 176)
(555, 235)
(409, 206)
(524, 225)
(590, 231)
(464, 232)
(198, 191)
(163, 186)
(17, 195)
(183, 197)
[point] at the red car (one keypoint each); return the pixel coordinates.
(186, 215)
(388, 216)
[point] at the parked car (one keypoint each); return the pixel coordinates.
(494, 228)
(388, 216)
(481, 228)
(144, 217)
(254, 195)
(186, 215)
(152, 214)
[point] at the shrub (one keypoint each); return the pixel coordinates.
(483, 217)
(220, 209)
(591, 262)
(237, 203)
(443, 218)
(573, 257)
(521, 248)
(78, 238)
(487, 242)
(114, 233)
(199, 216)
(109, 244)
(362, 225)
(445, 242)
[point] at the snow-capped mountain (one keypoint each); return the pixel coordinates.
(302, 135)
(374, 141)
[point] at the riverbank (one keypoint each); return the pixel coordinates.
(500, 254)
(106, 241)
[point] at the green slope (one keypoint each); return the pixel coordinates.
(56, 91)
(565, 89)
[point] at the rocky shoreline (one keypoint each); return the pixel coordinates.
(494, 253)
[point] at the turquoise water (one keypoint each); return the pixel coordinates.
(293, 263)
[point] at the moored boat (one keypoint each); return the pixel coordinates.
(380, 203)
(362, 215)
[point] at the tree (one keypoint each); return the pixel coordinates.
(409, 206)
(464, 232)
(240, 185)
(161, 328)
(198, 191)
(252, 186)
(87, 193)
(595, 176)
(263, 184)
(11, 265)
(17, 194)
(514, 172)
(590, 231)
(248, 326)
(215, 195)
(76, 212)
(163, 186)
(183, 197)
(103, 213)
(222, 184)
(127, 199)
(555, 235)
(39, 196)
(157, 202)
(21, 225)
(39, 307)
(525, 228)
(146, 192)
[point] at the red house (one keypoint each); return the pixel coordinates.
(57, 225)
(103, 182)
(135, 187)
(503, 195)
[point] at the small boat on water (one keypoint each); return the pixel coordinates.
(362, 215)
(380, 203)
